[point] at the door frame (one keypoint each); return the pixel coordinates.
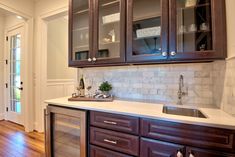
(28, 87)
(7, 69)
(41, 64)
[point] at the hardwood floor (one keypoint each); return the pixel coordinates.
(14, 142)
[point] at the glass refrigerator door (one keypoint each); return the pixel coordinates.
(67, 136)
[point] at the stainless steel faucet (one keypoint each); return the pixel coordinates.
(181, 91)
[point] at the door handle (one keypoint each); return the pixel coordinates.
(20, 88)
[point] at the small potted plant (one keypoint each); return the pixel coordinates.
(105, 88)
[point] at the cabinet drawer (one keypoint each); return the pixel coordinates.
(121, 142)
(100, 152)
(115, 122)
(193, 135)
(205, 153)
(154, 148)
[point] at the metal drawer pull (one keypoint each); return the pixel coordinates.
(110, 141)
(109, 122)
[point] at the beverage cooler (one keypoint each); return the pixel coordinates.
(65, 132)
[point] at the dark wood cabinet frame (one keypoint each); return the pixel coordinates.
(218, 34)
(164, 35)
(75, 63)
(168, 36)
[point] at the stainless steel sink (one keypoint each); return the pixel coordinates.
(183, 111)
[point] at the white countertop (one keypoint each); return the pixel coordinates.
(215, 117)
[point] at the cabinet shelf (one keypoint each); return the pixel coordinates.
(188, 33)
(80, 29)
(149, 37)
(106, 43)
(67, 125)
(146, 18)
(107, 24)
(194, 7)
(110, 3)
(83, 46)
(81, 11)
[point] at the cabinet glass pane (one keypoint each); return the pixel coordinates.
(194, 25)
(80, 29)
(146, 27)
(109, 29)
(66, 136)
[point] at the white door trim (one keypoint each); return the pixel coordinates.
(28, 88)
(41, 63)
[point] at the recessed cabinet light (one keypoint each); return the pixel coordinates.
(19, 17)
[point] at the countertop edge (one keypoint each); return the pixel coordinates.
(206, 124)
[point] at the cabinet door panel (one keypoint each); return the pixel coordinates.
(197, 29)
(195, 152)
(80, 32)
(109, 31)
(147, 30)
(100, 152)
(154, 148)
(193, 135)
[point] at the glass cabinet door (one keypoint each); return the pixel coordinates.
(195, 27)
(147, 30)
(80, 30)
(109, 31)
(65, 132)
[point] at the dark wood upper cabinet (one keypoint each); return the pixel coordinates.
(121, 32)
(109, 31)
(147, 30)
(197, 31)
(97, 32)
(80, 32)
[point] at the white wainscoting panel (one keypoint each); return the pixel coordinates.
(60, 88)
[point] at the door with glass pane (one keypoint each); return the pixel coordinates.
(147, 30)
(14, 77)
(109, 31)
(197, 29)
(80, 32)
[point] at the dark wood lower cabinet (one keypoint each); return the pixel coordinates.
(100, 152)
(154, 148)
(196, 152)
(156, 138)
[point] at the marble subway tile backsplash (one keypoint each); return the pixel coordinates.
(157, 82)
(224, 85)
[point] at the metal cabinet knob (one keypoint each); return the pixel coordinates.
(179, 154)
(164, 54)
(89, 59)
(94, 59)
(173, 53)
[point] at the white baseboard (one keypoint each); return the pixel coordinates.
(2, 116)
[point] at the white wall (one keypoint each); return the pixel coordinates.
(42, 8)
(57, 50)
(25, 7)
(230, 27)
(1, 65)
(11, 21)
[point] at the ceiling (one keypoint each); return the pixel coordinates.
(5, 12)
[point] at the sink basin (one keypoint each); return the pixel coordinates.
(183, 111)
